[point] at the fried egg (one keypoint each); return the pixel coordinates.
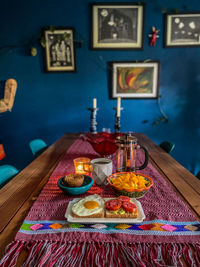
(88, 205)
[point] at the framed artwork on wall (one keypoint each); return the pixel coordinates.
(182, 30)
(135, 79)
(117, 26)
(59, 48)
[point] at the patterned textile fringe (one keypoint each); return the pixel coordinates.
(89, 254)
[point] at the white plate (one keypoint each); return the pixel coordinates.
(140, 218)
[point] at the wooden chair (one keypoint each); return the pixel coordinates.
(167, 146)
(37, 146)
(7, 172)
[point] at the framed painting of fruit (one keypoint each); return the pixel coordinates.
(134, 79)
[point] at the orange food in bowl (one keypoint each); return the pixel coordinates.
(130, 182)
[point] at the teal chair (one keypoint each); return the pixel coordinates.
(37, 146)
(167, 146)
(7, 172)
(198, 175)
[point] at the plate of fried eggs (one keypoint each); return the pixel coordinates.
(92, 209)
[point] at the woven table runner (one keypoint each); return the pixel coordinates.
(169, 233)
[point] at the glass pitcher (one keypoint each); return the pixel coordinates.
(127, 153)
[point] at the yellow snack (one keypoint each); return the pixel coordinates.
(130, 181)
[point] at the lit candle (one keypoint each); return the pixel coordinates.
(118, 106)
(79, 168)
(94, 103)
(82, 165)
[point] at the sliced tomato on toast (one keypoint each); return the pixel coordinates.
(113, 204)
(124, 198)
(129, 207)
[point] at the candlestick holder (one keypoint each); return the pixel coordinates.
(93, 122)
(117, 120)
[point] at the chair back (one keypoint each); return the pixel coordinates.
(198, 175)
(7, 172)
(37, 146)
(167, 146)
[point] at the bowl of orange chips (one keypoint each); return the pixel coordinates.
(130, 183)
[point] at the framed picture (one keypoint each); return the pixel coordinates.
(60, 52)
(135, 79)
(117, 26)
(182, 30)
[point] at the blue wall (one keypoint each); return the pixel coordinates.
(49, 104)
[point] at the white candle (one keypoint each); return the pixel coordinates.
(118, 106)
(94, 103)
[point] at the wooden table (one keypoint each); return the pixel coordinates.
(18, 195)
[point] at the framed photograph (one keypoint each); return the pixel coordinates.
(182, 30)
(135, 79)
(117, 26)
(60, 52)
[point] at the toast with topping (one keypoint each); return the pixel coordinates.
(122, 207)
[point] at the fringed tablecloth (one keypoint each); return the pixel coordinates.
(169, 233)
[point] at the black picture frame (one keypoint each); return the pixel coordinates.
(60, 49)
(117, 25)
(134, 79)
(182, 30)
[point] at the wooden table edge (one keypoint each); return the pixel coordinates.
(21, 212)
(194, 208)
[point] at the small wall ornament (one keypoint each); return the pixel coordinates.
(154, 35)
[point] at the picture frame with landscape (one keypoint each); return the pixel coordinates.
(117, 26)
(182, 30)
(134, 79)
(59, 50)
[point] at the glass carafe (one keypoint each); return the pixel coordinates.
(127, 153)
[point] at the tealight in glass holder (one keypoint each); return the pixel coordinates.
(82, 165)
